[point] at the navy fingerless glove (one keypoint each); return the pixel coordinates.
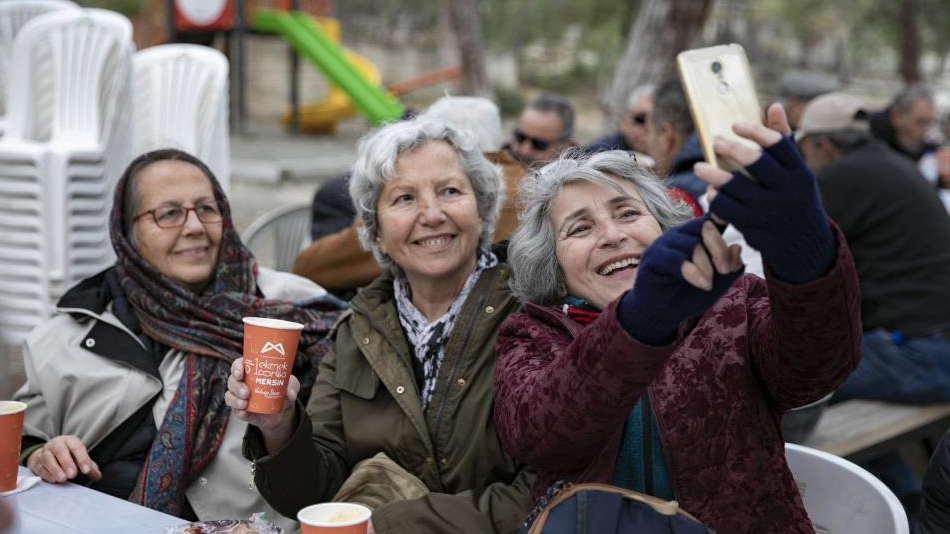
(780, 214)
(661, 299)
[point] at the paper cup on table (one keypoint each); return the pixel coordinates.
(269, 349)
(11, 431)
(334, 518)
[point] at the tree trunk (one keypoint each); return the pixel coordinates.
(910, 42)
(662, 29)
(463, 15)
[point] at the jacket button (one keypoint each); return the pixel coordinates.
(444, 462)
(366, 341)
(90, 343)
(490, 309)
(460, 382)
(202, 481)
(400, 390)
(430, 461)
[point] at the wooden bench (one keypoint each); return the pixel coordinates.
(860, 430)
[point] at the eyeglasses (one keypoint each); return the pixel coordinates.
(640, 119)
(175, 216)
(537, 144)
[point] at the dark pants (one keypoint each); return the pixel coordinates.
(916, 371)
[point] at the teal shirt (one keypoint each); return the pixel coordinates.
(630, 470)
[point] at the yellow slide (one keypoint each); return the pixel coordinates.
(322, 117)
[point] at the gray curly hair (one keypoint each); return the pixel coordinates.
(377, 153)
(536, 276)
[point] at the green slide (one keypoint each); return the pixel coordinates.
(309, 40)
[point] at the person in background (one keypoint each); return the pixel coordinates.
(935, 495)
(906, 122)
(797, 88)
(634, 134)
(338, 262)
(331, 210)
(410, 373)
(674, 144)
(545, 129)
(645, 359)
(899, 233)
(125, 383)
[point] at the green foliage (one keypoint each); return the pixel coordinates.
(510, 100)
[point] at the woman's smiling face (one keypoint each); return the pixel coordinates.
(600, 234)
(428, 216)
(187, 254)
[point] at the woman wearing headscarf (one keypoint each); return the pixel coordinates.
(410, 373)
(125, 384)
(644, 358)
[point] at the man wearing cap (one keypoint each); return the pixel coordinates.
(899, 235)
(797, 88)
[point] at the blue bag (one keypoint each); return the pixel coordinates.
(605, 509)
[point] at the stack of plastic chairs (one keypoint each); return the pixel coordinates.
(181, 101)
(13, 15)
(66, 145)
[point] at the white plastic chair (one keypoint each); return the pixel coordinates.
(276, 237)
(181, 101)
(841, 497)
(13, 15)
(67, 143)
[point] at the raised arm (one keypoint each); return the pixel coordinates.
(806, 327)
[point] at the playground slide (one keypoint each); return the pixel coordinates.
(322, 117)
(354, 79)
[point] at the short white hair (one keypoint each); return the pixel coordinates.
(536, 275)
(376, 156)
(476, 115)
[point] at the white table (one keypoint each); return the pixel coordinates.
(69, 508)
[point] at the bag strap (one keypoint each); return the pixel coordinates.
(661, 506)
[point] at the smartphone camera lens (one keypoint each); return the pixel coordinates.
(716, 67)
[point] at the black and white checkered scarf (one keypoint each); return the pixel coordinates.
(428, 339)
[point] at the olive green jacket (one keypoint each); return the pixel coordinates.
(366, 401)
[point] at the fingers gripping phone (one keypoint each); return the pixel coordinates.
(719, 87)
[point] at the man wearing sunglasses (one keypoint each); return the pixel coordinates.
(545, 129)
(634, 134)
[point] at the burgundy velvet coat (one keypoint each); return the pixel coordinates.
(719, 391)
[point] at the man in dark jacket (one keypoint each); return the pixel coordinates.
(904, 124)
(899, 234)
(935, 497)
(673, 141)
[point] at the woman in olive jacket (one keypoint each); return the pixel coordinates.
(410, 373)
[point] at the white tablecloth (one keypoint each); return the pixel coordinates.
(69, 508)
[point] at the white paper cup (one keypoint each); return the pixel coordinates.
(334, 518)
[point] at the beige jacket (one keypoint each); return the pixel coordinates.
(70, 390)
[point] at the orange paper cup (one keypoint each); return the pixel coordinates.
(334, 518)
(269, 349)
(11, 432)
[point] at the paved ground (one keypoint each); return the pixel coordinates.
(270, 168)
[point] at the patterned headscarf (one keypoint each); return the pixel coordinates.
(208, 328)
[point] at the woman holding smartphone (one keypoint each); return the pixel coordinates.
(645, 359)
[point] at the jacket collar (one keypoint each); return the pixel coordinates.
(112, 336)
(553, 315)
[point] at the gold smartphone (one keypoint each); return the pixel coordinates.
(719, 87)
